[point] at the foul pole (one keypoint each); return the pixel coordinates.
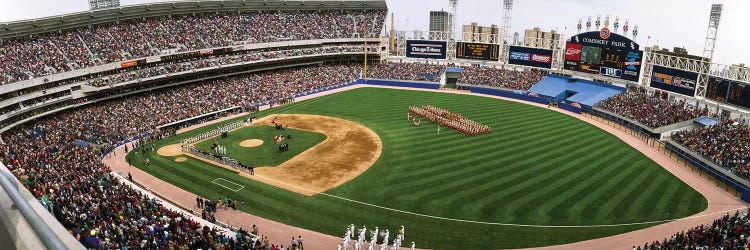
(364, 71)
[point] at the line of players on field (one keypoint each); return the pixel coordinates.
(447, 119)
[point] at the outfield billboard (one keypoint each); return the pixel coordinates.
(674, 80)
(604, 53)
(478, 51)
(541, 58)
(426, 49)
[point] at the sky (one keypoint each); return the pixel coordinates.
(669, 23)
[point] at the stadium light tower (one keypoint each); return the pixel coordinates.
(452, 29)
(708, 48)
(507, 16)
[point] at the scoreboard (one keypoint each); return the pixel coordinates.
(604, 53)
(728, 91)
(478, 51)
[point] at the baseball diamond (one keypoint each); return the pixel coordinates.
(547, 169)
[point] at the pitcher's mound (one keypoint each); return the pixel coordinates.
(170, 150)
(251, 143)
(180, 159)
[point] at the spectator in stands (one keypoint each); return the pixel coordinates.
(638, 104)
(80, 190)
(92, 242)
(727, 144)
(407, 71)
(501, 77)
(24, 58)
(727, 232)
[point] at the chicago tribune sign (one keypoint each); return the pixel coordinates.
(426, 49)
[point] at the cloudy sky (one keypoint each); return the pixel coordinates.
(669, 23)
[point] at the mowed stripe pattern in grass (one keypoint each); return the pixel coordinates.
(536, 167)
(533, 163)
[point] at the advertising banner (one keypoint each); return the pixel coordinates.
(533, 57)
(426, 49)
(674, 80)
(573, 52)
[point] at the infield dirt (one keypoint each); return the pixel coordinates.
(251, 143)
(349, 150)
(170, 150)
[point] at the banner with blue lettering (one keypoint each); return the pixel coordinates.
(541, 58)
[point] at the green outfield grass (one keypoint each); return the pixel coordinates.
(268, 153)
(537, 167)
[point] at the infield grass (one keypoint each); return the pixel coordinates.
(537, 167)
(267, 154)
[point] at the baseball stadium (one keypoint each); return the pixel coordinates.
(316, 124)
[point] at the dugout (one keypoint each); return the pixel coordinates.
(452, 74)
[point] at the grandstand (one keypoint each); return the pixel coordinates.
(78, 89)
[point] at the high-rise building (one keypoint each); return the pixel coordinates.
(540, 39)
(439, 25)
(103, 4)
(481, 34)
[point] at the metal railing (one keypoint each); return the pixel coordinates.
(44, 233)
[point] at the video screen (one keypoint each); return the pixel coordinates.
(591, 55)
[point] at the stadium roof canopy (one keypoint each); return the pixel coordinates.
(110, 15)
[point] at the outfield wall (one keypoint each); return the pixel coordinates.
(473, 89)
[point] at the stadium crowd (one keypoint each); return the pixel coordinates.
(727, 144)
(407, 71)
(32, 57)
(167, 69)
(727, 232)
(636, 103)
(494, 77)
(73, 183)
(503, 78)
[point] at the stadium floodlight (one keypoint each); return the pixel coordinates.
(709, 46)
(507, 16)
(716, 12)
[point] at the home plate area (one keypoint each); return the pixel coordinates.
(228, 184)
